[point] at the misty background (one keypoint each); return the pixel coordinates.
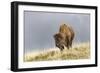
(39, 28)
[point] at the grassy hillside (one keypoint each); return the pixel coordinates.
(78, 51)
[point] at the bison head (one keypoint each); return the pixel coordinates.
(59, 40)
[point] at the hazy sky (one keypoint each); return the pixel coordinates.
(39, 28)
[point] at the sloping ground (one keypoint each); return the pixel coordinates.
(78, 51)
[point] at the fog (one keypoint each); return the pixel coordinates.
(39, 28)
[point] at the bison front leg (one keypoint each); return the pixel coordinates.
(68, 46)
(61, 47)
(67, 43)
(70, 43)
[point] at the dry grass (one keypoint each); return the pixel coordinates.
(78, 51)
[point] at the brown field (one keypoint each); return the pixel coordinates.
(78, 51)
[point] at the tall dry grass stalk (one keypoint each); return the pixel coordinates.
(78, 51)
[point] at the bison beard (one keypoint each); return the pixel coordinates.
(64, 37)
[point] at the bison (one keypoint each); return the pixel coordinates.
(64, 37)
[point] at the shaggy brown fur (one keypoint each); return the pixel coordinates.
(64, 37)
